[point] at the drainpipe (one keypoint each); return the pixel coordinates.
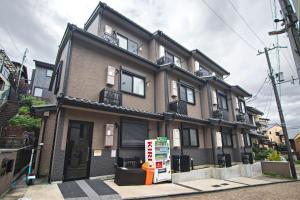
(211, 128)
(42, 141)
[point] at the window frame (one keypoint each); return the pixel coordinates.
(245, 139)
(173, 58)
(132, 83)
(124, 120)
(186, 87)
(47, 72)
(127, 40)
(40, 89)
(189, 136)
(58, 77)
(219, 94)
(223, 134)
(241, 101)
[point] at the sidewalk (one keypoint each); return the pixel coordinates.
(97, 189)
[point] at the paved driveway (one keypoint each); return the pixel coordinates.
(279, 191)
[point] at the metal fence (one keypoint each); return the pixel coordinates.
(22, 159)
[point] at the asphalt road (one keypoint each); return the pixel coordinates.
(286, 191)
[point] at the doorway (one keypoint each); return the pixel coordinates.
(78, 150)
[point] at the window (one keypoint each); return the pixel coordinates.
(242, 106)
(133, 133)
(187, 94)
(222, 101)
(38, 92)
(190, 137)
(132, 84)
(226, 137)
(247, 140)
(49, 72)
(170, 58)
(58, 77)
(122, 41)
(127, 44)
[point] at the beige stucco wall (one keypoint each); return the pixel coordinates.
(94, 26)
(48, 142)
(87, 76)
(297, 143)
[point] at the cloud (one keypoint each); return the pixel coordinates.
(39, 26)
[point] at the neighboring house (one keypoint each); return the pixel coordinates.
(258, 136)
(40, 80)
(275, 134)
(116, 85)
(23, 83)
(297, 145)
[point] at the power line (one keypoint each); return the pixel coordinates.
(258, 91)
(244, 20)
(228, 26)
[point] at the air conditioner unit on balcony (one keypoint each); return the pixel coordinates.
(218, 114)
(240, 117)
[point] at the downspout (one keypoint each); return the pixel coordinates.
(42, 141)
(53, 144)
(155, 89)
(210, 114)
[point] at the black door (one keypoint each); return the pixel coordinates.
(78, 150)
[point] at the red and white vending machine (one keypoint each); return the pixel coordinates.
(158, 157)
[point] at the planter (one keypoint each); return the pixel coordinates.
(281, 168)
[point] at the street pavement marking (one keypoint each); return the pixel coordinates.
(87, 189)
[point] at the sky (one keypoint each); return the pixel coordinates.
(219, 29)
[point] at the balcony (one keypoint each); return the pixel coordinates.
(179, 107)
(111, 97)
(164, 60)
(241, 117)
(202, 72)
(111, 38)
(221, 114)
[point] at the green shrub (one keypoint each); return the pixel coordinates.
(31, 101)
(24, 110)
(274, 156)
(25, 121)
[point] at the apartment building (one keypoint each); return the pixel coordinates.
(117, 84)
(41, 77)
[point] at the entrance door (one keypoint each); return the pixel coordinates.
(78, 150)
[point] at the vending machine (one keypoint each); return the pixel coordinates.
(158, 157)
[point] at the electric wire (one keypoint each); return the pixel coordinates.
(246, 23)
(228, 26)
(258, 91)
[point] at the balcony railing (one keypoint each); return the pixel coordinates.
(164, 60)
(202, 72)
(241, 117)
(179, 107)
(111, 97)
(111, 38)
(220, 114)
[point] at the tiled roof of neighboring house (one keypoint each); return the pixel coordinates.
(255, 133)
(216, 121)
(43, 108)
(68, 100)
(254, 110)
(43, 64)
(190, 119)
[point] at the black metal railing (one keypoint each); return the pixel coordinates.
(202, 72)
(179, 107)
(22, 159)
(111, 38)
(164, 60)
(111, 97)
(241, 117)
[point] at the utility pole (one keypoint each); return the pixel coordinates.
(289, 20)
(283, 124)
(21, 69)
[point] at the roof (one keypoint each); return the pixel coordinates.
(43, 64)
(43, 108)
(24, 72)
(254, 110)
(237, 89)
(68, 100)
(103, 6)
(218, 67)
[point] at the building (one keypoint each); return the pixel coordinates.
(258, 135)
(116, 85)
(40, 81)
(297, 145)
(275, 134)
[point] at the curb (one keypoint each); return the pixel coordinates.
(212, 191)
